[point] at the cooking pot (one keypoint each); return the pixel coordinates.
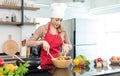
(34, 62)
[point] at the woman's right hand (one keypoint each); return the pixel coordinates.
(46, 46)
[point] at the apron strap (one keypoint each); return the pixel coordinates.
(48, 28)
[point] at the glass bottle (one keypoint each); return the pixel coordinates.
(13, 18)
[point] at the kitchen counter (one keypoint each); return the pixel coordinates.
(91, 70)
(109, 70)
(10, 59)
(6, 57)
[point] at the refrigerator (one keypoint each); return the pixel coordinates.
(86, 37)
(69, 25)
(82, 33)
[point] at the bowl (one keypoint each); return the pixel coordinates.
(61, 63)
(34, 62)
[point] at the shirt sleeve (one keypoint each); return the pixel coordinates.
(36, 36)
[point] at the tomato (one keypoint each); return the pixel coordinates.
(67, 58)
(99, 59)
(82, 63)
(1, 62)
(76, 62)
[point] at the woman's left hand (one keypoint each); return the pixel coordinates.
(65, 49)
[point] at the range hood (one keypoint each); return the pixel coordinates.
(48, 2)
(106, 9)
(82, 1)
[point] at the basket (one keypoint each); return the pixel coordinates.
(61, 63)
(115, 61)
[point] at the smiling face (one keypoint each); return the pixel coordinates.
(56, 22)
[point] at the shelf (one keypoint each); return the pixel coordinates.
(10, 7)
(30, 23)
(18, 7)
(31, 8)
(16, 23)
(9, 23)
(21, 8)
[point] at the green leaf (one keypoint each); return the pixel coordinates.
(20, 70)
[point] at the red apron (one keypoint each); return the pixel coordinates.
(55, 43)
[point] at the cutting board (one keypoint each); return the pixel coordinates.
(10, 47)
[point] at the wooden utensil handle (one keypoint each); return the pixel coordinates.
(50, 55)
(19, 58)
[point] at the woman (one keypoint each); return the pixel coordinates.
(51, 36)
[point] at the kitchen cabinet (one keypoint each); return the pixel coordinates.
(18, 8)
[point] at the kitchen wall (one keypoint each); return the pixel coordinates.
(74, 10)
(5, 30)
(103, 3)
(104, 6)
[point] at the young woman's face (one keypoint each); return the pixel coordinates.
(56, 22)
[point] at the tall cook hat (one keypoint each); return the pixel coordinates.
(58, 10)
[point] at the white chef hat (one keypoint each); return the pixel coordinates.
(58, 10)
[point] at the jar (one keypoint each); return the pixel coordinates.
(7, 18)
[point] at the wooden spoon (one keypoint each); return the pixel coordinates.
(19, 58)
(51, 55)
(65, 54)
